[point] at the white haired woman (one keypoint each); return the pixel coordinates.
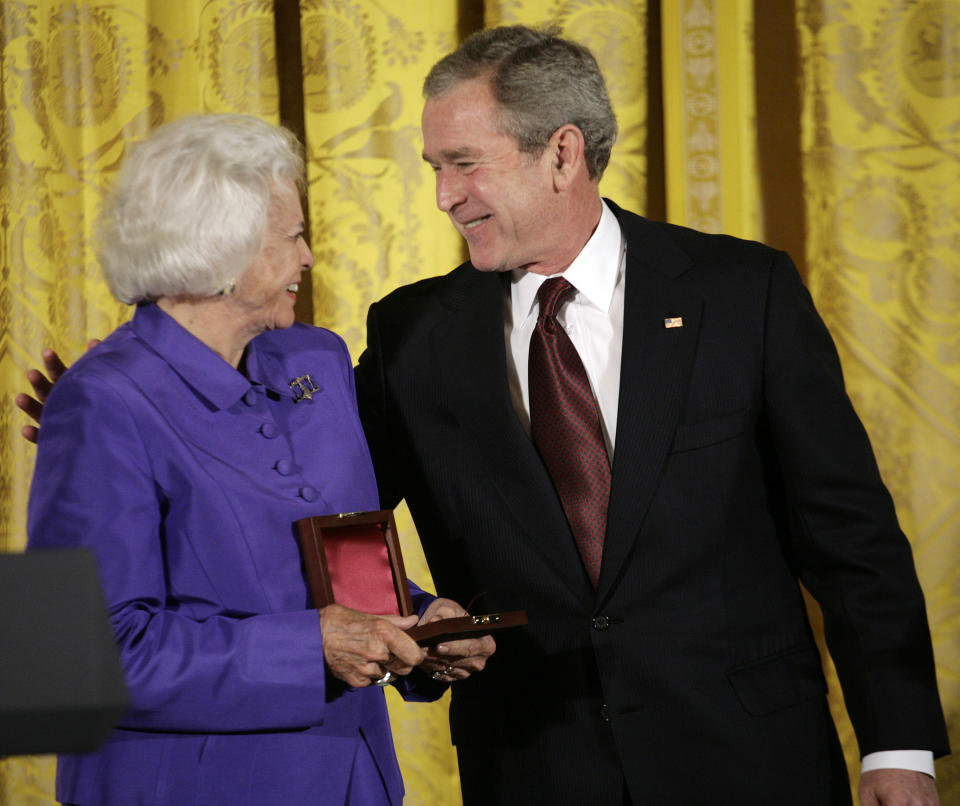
(178, 451)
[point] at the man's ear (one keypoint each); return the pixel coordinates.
(567, 152)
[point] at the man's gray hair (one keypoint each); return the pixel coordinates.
(540, 82)
(189, 209)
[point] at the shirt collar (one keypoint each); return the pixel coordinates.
(593, 273)
(199, 366)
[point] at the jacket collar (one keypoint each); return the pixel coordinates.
(200, 367)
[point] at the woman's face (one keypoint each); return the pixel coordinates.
(267, 290)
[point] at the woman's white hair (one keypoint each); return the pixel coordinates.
(189, 210)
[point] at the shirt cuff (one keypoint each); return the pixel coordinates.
(916, 760)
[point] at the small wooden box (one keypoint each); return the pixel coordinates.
(354, 560)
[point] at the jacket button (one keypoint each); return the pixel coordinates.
(601, 623)
(283, 467)
(269, 430)
(604, 713)
(308, 494)
(250, 397)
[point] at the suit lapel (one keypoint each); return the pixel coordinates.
(655, 364)
(470, 347)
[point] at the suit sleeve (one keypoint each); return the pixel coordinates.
(372, 402)
(93, 487)
(851, 554)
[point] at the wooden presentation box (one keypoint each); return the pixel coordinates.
(354, 559)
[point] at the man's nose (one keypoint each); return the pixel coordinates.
(450, 189)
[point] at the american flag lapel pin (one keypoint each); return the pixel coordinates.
(673, 321)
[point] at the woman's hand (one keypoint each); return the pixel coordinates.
(361, 648)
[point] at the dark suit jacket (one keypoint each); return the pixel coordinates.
(690, 675)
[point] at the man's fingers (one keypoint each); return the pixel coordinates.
(40, 384)
(442, 608)
(457, 660)
(53, 365)
(33, 408)
(469, 648)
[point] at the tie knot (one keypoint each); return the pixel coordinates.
(552, 294)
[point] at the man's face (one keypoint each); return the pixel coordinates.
(502, 201)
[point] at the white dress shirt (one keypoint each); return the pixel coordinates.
(593, 319)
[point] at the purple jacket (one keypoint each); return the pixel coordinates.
(184, 477)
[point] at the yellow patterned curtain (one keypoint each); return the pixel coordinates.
(881, 168)
(711, 168)
(872, 204)
(875, 90)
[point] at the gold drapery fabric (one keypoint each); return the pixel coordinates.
(881, 170)
(879, 145)
(878, 81)
(711, 170)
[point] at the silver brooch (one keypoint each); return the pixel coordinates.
(303, 387)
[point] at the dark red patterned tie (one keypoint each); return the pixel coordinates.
(566, 429)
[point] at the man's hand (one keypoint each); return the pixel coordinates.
(890, 787)
(455, 660)
(360, 648)
(42, 384)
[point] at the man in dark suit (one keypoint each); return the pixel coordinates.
(668, 658)
(674, 663)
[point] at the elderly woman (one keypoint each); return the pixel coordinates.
(181, 450)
